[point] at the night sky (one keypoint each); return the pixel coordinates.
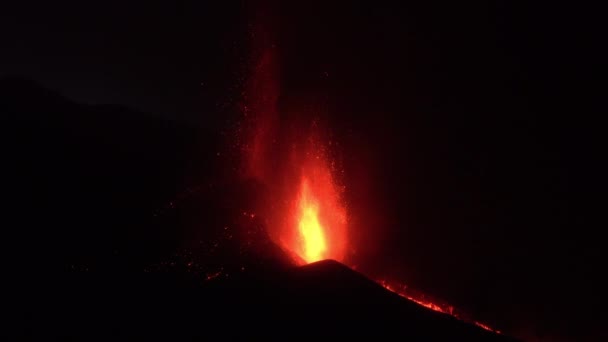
(176, 60)
(468, 130)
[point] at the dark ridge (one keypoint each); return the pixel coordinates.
(334, 272)
(15, 84)
(81, 184)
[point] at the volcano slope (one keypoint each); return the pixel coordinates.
(318, 300)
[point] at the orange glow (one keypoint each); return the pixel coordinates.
(446, 309)
(288, 153)
(313, 237)
(316, 220)
(483, 326)
(426, 303)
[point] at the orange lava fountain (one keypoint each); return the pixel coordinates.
(288, 152)
(303, 205)
(317, 229)
(314, 245)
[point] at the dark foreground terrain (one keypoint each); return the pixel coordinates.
(319, 300)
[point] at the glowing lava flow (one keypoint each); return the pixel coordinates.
(427, 304)
(446, 309)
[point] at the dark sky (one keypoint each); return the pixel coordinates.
(174, 59)
(155, 56)
(479, 117)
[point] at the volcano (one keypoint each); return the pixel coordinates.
(111, 269)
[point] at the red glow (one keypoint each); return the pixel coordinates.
(285, 151)
(426, 303)
(446, 309)
(304, 207)
(311, 230)
(483, 326)
(301, 200)
(316, 228)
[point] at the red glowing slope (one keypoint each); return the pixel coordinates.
(355, 303)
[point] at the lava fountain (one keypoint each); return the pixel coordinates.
(317, 227)
(303, 203)
(312, 232)
(289, 154)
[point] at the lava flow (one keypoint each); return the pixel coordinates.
(446, 309)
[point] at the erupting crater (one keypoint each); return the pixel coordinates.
(313, 236)
(286, 151)
(317, 230)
